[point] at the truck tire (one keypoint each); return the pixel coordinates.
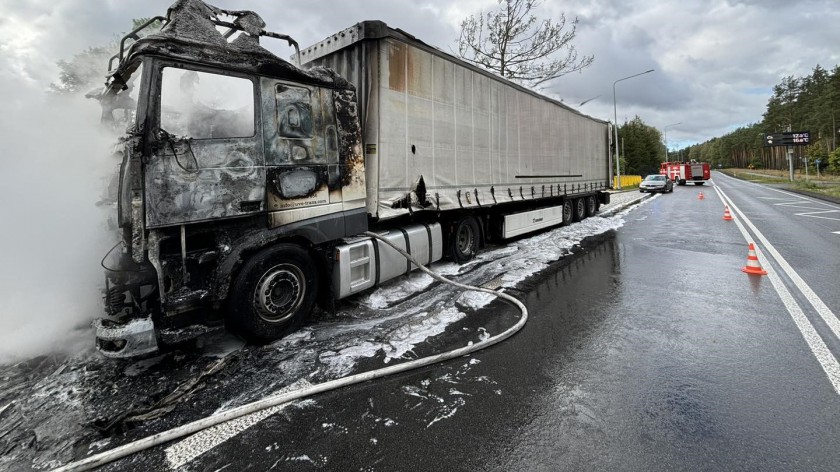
(568, 212)
(591, 205)
(464, 240)
(699, 183)
(273, 293)
(580, 209)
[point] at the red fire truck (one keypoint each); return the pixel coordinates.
(681, 172)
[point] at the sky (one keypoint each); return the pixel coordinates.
(715, 63)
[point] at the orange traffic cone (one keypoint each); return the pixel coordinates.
(753, 267)
(726, 215)
(700, 197)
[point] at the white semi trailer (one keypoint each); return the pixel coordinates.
(247, 182)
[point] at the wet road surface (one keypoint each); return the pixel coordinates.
(651, 350)
(648, 348)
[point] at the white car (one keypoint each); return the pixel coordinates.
(656, 183)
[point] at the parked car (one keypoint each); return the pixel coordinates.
(656, 183)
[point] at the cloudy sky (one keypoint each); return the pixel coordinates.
(715, 61)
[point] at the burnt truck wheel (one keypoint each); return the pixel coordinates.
(464, 240)
(579, 209)
(273, 293)
(591, 205)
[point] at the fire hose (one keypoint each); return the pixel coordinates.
(112, 455)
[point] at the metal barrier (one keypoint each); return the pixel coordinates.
(628, 181)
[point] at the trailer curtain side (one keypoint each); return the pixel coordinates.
(464, 130)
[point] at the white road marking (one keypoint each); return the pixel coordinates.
(800, 200)
(818, 347)
(185, 451)
(802, 197)
(814, 213)
(826, 359)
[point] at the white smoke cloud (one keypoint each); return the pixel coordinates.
(53, 172)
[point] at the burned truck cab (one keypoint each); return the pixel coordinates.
(228, 149)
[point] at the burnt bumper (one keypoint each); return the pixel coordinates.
(123, 340)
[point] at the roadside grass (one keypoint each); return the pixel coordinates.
(824, 184)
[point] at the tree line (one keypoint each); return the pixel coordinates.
(810, 103)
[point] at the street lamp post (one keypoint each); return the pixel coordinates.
(615, 115)
(665, 137)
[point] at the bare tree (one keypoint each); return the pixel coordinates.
(513, 43)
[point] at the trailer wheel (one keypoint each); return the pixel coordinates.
(464, 240)
(591, 205)
(273, 293)
(580, 209)
(568, 212)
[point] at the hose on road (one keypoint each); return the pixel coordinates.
(106, 457)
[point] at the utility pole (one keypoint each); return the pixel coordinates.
(615, 117)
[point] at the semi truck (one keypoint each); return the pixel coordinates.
(248, 182)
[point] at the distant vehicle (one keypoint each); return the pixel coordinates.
(656, 183)
(681, 172)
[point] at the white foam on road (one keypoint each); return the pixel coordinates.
(522, 259)
(394, 344)
(517, 261)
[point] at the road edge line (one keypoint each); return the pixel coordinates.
(815, 342)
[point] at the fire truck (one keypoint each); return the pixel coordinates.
(681, 172)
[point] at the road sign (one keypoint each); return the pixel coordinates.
(795, 138)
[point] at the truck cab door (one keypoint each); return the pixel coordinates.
(303, 173)
(206, 161)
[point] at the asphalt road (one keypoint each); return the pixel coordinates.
(648, 350)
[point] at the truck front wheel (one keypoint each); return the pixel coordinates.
(464, 240)
(273, 293)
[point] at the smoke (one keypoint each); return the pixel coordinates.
(54, 168)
